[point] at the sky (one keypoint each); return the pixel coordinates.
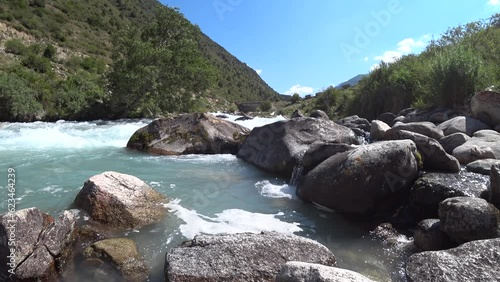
(304, 46)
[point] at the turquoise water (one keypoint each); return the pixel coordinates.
(208, 194)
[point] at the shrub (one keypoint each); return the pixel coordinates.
(295, 98)
(266, 106)
(15, 46)
(37, 63)
(49, 52)
(17, 100)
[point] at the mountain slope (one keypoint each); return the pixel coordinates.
(352, 82)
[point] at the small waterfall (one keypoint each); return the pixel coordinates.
(297, 174)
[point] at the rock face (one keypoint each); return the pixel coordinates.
(378, 129)
(43, 244)
(189, 134)
(120, 200)
(467, 219)
(452, 141)
(485, 144)
(473, 261)
(241, 257)
(433, 188)
(122, 254)
(435, 157)
(485, 105)
(462, 124)
(482, 166)
(278, 147)
(495, 185)
(362, 180)
(295, 271)
(429, 236)
(425, 128)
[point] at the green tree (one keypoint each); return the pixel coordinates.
(17, 100)
(295, 98)
(159, 69)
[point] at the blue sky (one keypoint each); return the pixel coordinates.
(304, 46)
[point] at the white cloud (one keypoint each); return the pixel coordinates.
(493, 2)
(366, 59)
(258, 71)
(301, 90)
(403, 47)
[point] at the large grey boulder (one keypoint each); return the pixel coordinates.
(355, 122)
(473, 261)
(362, 180)
(495, 185)
(485, 105)
(429, 236)
(467, 219)
(432, 188)
(484, 144)
(452, 141)
(241, 257)
(296, 271)
(482, 166)
(279, 146)
(120, 200)
(425, 128)
(43, 245)
(319, 114)
(387, 118)
(462, 124)
(378, 129)
(118, 253)
(434, 156)
(196, 133)
(319, 152)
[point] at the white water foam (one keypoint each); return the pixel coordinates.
(267, 189)
(66, 135)
(252, 123)
(229, 221)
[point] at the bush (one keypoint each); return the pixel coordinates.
(49, 52)
(295, 98)
(266, 106)
(37, 63)
(15, 46)
(17, 100)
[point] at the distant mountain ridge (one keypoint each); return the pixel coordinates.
(353, 81)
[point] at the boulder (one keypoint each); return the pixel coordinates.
(440, 116)
(429, 236)
(495, 185)
(378, 129)
(497, 128)
(297, 114)
(354, 122)
(189, 134)
(425, 128)
(387, 117)
(473, 261)
(241, 257)
(486, 104)
(482, 166)
(119, 253)
(467, 219)
(318, 152)
(43, 245)
(319, 114)
(462, 124)
(415, 115)
(120, 200)
(485, 144)
(433, 188)
(362, 180)
(452, 141)
(279, 146)
(434, 156)
(295, 271)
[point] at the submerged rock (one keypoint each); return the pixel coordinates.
(280, 146)
(241, 257)
(473, 261)
(362, 180)
(462, 124)
(467, 219)
(120, 200)
(43, 245)
(433, 188)
(189, 134)
(296, 271)
(122, 255)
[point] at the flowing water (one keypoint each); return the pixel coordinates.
(208, 194)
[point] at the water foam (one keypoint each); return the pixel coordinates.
(66, 135)
(267, 189)
(229, 221)
(251, 123)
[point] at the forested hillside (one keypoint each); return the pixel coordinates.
(69, 59)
